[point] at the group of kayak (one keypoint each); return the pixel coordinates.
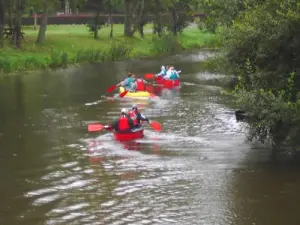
(128, 125)
(133, 84)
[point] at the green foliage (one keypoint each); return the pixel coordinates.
(69, 44)
(223, 13)
(200, 24)
(93, 28)
(166, 44)
(263, 48)
(118, 51)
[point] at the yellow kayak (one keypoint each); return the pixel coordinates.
(138, 94)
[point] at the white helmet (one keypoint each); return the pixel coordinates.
(124, 110)
(163, 67)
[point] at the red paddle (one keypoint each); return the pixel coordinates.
(110, 89)
(123, 94)
(98, 127)
(155, 125)
(95, 127)
(149, 76)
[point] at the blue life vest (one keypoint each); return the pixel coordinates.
(128, 82)
(173, 75)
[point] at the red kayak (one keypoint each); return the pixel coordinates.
(167, 83)
(133, 134)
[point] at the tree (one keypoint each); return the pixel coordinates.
(2, 11)
(223, 13)
(19, 6)
(43, 26)
(109, 5)
(263, 47)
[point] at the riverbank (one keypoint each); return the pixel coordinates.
(72, 44)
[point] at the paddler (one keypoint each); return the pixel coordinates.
(137, 117)
(172, 74)
(139, 84)
(163, 72)
(124, 123)
(128, 82)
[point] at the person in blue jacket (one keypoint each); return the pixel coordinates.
(172, 74)
(128, 82)
(163, 72)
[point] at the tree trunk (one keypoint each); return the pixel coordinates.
(174, 22)
(96, 24)
(10, 19)
(141, 18)
(110, 20)
(17, 24)
(157, 29)
(1, 23)
(43, 26)
(74, 6)
(128, 18)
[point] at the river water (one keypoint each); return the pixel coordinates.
(198, 170)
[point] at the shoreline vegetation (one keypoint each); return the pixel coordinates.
(73, 44)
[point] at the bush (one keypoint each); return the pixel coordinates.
(118, 50)
(166, 44)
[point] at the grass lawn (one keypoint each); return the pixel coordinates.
(72, 38)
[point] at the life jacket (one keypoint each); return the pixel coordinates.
(140, 86)
(173, 75)
(128, 82)
(123, 123)
(133, 116)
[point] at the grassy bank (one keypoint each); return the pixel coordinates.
(70, 44)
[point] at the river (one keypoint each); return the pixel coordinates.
(198, 170)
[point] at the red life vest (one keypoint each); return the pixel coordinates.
(123, 123)
(140, 86)
(133, 116)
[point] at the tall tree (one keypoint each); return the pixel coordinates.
(19, 6)
(109, 6)
(128, 17)
(134, 17)
(2, 11)
(44, 20)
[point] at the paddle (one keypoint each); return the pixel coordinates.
(123, 94)
(149, 76)
(110, 89)
(97, 127)
(155, 125)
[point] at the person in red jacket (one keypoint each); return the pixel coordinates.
(137, 117)
(140, 84)
(124, 123)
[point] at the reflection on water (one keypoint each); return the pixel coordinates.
(198, 170)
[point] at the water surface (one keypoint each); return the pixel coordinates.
(199, 170)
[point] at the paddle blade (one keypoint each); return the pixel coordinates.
(95, 127)
(123, 94)
(149, 76)
(155, 125)
(110, 89)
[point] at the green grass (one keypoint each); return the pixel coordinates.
(69, 44)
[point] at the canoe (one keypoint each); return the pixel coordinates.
(134, 134)
(137, 94)
(167, 83)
